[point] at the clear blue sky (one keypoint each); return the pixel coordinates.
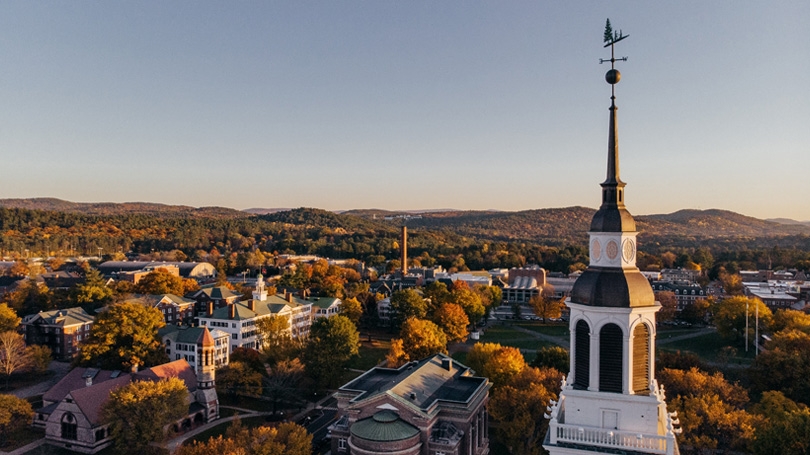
(406, 104)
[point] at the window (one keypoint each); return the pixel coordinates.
(342, 444)
(69, 426)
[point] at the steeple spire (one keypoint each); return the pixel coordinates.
(613, 187)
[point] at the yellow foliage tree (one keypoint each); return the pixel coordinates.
(419, 338)
(452, 319)
(286, 439)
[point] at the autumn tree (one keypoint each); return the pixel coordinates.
(436, 293)
(138, 412)
(732, 282)
(518, 407)
(453, 321)
(669, 305)
(352, 309)
(784, 365)
(13, 355)
(94, 291)
(785, 426)
(462, 295)
(238, 379)
(785, 320)
(710, 410)
(405, 304)
(418, 338)
(288, 438)
(498, 363)
(546, 306)
(8, 318)
(332, 342)
(729, 317)
(39, 358)
(123, 337)
(275, 338)
(695, 312)
(160, 281)
(15, 414)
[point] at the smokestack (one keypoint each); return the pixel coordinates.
(404, 250)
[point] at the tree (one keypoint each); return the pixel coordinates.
(732, 282)
(436, 293)
(552, 357)
(15, 414)
(785, 428)
(39, 358)
(283, 382)
(8, 318)
(138, 412)
(729, 317)
(94, 291)
(669, 305)
(498, 363)
(288, 438)
(332, 342)
(469, 301)
(519, 405)
(695, 312)
(784, 365)
(546, 307)
(405, 304)
(13, 356)
(453, 321)
(275, 338)
(791, 319)
(160, 281)
(238, 379)
(123, 337)
(710, 410)
(420, 338)
(352, 309)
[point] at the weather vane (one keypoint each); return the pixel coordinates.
(613, 76)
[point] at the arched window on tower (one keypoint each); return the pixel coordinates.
(69, 426)
(641, 359)
(582, 362)
(610, 359)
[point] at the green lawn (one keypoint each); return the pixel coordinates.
(503, 334)
(555, 330)
(709, 347)
(371, 354)
(20, 438)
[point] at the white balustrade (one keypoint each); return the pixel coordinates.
(603, 437)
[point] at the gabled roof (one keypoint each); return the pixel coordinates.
(323, 302)
(77, 378)
(217, 293)
(191, 335)
(273, 305)
(61, 318)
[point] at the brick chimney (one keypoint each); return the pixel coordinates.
(251, 305)
(210, 308)
(288, 296)
(232, 311)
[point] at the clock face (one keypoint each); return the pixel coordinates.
(629, 250)
(612, 249)
(596, 250)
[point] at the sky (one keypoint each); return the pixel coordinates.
(406, 105)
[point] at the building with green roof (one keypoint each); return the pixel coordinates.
(431, 406)
(60, 330)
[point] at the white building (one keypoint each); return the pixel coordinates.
(610, 401)
(239, 319)
(186, 343)
(324, 307)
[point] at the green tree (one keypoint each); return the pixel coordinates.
(15, 414)
(552, 357)
(138, 412)
(352, 309)
(160, 281)
(94, 291)
(453, 321)
(284, 382)
(238, 379)
(123, 337)
(436, 293)
(469, 301)
(785, 426)
(332, 342)
(8, 318)
(13, 355)
(729, 317)
(405, 304)
(276, 339)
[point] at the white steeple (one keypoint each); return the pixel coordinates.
(610, 398)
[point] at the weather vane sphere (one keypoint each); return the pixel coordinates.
(613, 76)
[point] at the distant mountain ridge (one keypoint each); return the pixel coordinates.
(120, 208)
(550, 225)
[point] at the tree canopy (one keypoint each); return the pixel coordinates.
(15, 414)
(332, 342)
(8, 318)
(160, 281)
(138, 412)
(288, 438)
(419, 338)
(124, 336)
(453, 321)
